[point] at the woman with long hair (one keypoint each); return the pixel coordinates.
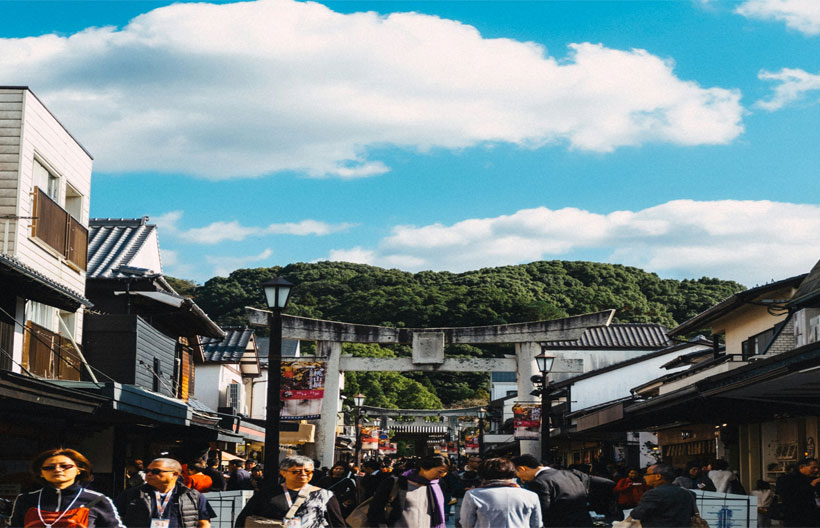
(63, 500)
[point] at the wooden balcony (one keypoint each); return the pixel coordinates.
(50, 355)
(59, 230)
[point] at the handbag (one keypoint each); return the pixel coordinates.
(358, 517)
(256, 521)
(697, 521)
(629, 522)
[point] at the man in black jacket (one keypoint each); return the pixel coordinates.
(562, 495)
(798, 492)
(218, 482)
(163, 501)
(665, 505)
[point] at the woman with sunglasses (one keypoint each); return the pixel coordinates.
(294, 501)
(63, 501)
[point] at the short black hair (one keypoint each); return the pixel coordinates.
(805, 461)
(432, 461)
(721, 465)
(497, 468)
(526, 460)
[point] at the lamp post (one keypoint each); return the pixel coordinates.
(277, 292)
(544, 362)
(481, 414)
(358, 401)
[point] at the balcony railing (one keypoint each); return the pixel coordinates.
(61, 231)
(50, 355)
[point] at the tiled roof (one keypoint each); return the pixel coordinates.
(228, 350)
(618, 335)
(288, 349)
(40, 287)
(113, 242)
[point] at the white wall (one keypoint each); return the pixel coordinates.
(616, 383)
(212, 381)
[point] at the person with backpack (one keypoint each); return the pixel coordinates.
(341, 483)
(413, 499)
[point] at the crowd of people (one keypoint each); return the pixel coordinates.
(516, 492)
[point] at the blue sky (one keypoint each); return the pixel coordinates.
(680, 137)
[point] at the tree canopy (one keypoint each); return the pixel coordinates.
(358, 293)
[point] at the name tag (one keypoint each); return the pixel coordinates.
(293, 523)
(160, 523)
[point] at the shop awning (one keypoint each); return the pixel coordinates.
(305, 435)
(19, 392)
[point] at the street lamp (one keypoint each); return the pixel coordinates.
(277, 292)
(481, 414)
(358, 401)
(544, 362)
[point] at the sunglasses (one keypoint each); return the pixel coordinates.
(155, 471)
(300, 471)
(52, 467)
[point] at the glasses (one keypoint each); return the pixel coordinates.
(52, 467)
(300, 471)
(155, 471)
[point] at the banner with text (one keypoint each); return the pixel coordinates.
(303, 386)
(527, 421)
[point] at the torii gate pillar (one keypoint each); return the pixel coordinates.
(330, 351)
(526, 368)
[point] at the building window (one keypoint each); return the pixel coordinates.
(757, 344)
(42, 315)
(47, 181)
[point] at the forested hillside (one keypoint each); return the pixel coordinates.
(365, 294)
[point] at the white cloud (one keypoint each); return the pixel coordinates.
(250, 88)
(794, 84)
(749, 241)
(220, 231)
(801, 15)
(225, 265)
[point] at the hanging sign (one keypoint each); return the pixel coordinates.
(370, 438)
(303, 386)
(527, 420)
(471, 445)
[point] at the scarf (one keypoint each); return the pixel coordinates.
(435, 497)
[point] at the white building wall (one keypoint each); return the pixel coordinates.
(609, 386)
(212, 382)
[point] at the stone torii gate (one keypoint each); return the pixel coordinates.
(428, 354)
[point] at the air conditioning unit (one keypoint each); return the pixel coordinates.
(233, 395)
(814, 330)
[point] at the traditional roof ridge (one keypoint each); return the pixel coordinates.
(618, 335)
(733, 301)
(113, 242)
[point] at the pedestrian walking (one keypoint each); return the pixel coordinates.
(499, 501)
(239, 478)
(414, 498)
(295, 502)
(665, 504)
(798, 494)
(629, 490)
(341, 483)
(692, 478)
(561, 493)
(63, 499)
(164, 501)
(218, 482)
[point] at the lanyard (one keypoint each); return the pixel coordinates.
(40, 515)
(287, 496)
(162, 504)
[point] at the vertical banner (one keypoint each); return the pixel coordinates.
(384, 443)
(527, 421)
(370, 439)
(471, 445)
(303, 386)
